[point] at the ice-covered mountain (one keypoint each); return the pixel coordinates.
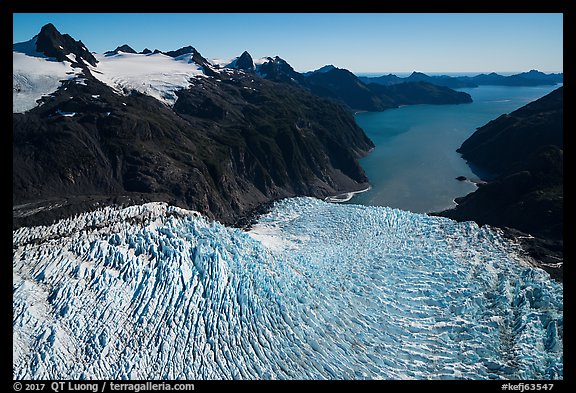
(314, 290)
(42, 63)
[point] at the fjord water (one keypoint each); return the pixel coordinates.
(415, 164)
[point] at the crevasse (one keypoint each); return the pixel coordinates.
(315, 290)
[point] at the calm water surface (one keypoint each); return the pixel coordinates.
(415, 164)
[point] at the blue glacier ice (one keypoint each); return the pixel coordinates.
(313, 291)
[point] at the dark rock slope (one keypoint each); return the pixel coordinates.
(343, 86)
(123, 48)
(226, 147)
(60, 46)
(412, 93)
(346, 88)
(523, 151)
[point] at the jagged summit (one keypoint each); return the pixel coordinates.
(245, 62)
(60, 46)
(278, 70)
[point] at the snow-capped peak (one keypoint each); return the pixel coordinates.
(42, 62)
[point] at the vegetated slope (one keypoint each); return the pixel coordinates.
(524, 152)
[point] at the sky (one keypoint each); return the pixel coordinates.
(361, 43)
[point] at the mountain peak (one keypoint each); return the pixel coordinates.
(278, 70)
(123, 48)
(326, 68)
(182, 51)
(245, 62)
(49, 29)
(53, 44)
(278, 59)
(323, 69)
(195, 57)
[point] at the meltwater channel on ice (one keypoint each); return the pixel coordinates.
(314, 291)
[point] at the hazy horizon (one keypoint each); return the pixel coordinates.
(448, 73)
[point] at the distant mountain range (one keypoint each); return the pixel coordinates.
(343, 86)
(530, 78)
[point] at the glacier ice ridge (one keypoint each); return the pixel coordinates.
(313, 291)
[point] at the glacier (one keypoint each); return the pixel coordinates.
(314, 290)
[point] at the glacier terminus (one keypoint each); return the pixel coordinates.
(314, 290)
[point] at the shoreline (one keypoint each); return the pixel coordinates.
(345, 196)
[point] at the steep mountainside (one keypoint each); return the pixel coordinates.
(513, 138)
(341, 85)
(524, 152)
(230, 142)
(61, 46)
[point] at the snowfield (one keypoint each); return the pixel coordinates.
(327, 291)
(156, 75)
(36, 76)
